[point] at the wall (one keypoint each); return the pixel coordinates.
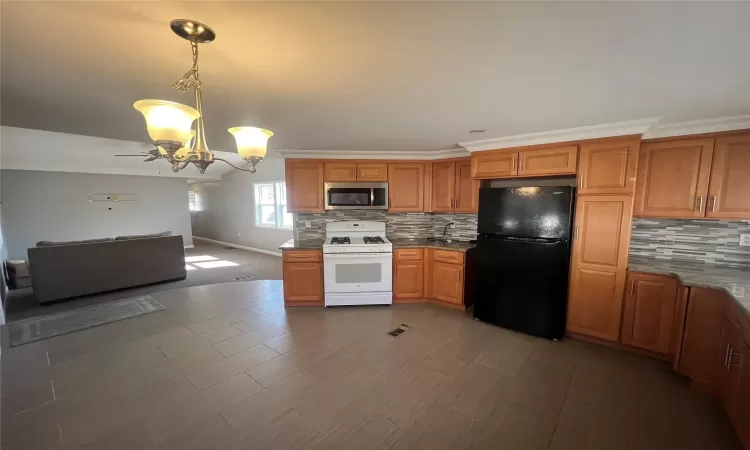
(397, 225)
(228, 208)
(705, 241)
(55, 206)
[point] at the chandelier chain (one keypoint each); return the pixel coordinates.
(191, 79)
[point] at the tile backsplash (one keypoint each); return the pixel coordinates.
(707, 241)
(397, 225)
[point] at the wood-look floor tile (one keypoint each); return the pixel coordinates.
(438, 428)
(476, 391)
(220, 321)
(230, 366)
(175, 348)
(244, 341)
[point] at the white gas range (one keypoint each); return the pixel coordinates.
(357, 264)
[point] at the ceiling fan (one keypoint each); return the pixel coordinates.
(152, 155)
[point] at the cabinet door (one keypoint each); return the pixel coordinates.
(448, 282)
(304, 187)
(599, 261)
(372, 172)
(443, 186)
(303, 283)
(729, 189)
(701, 339)
(405, 187)
(741, 416)
(494, 164)
(608, 167)
(673, 178)
(340, 172)
(648, 320)
(467, 189)
(548, 161)
(408, 279)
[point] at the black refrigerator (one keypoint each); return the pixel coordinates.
(523, 258)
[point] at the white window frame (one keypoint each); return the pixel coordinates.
(278, 205)
(194, 201)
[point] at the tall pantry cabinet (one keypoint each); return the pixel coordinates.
(601, 236)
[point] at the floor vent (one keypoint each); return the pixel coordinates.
(399, 330)
(244, 277)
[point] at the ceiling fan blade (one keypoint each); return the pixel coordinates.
(151, 159)
(154, 152)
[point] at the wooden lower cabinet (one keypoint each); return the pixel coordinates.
(448, 282)
(408, 279)
(702, 336)
(303, 281)
(649, 312)
(741, 416)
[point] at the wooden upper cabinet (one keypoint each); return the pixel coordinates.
(550, 161)
(702, 335)
(340, 172)
(447, 282)
(599, 262)
(649, 313)
(373, 172)
(608, 167)
(729, 188)
(304, 186)
(443, 186)
(494, 164)
(467, 189)
(673, 178)
(406, 187)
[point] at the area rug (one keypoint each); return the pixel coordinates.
(45, 327)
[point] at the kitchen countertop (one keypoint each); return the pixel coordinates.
(459, 246)
(736, 282)
(294, 244)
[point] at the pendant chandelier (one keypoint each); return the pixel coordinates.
(170, 124)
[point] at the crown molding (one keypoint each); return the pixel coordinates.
(569, 134)
(426, 155)
(718, 124)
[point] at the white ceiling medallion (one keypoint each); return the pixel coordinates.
(426, 155)
(626, 128)
(699, 126)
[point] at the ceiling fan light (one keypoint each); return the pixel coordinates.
(167, 121)
(251, 141)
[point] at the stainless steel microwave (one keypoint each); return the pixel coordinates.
(356, 195)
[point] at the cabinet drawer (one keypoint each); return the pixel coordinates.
(302, 255)
(409, 254)
(448, 256)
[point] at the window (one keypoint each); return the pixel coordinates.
(270, 205)
(193, 201)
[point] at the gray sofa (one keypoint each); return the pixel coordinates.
(64, 270)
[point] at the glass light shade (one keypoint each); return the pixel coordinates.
(183, 152)
(167, 121)
(251, 141)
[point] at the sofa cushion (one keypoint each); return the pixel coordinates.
(86, 241)
(143, 236)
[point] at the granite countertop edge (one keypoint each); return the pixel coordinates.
(459, 246)
(734, 281)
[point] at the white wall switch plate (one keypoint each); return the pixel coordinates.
(745, 240)
(308, 224)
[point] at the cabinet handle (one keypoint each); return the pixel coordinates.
(632, 288)
(731, 356)
(581, 182)
(700, 203)
(520, 164)
(577, 232)
(714, 201)
(514, 163)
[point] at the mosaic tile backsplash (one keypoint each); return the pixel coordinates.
(397, 225)
(706, 241)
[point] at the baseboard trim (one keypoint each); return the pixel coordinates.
(229, 244)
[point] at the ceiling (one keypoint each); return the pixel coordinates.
(375, 76)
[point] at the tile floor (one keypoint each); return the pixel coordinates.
(226, 367)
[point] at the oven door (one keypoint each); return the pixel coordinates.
(356, 196)
(358, 272)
